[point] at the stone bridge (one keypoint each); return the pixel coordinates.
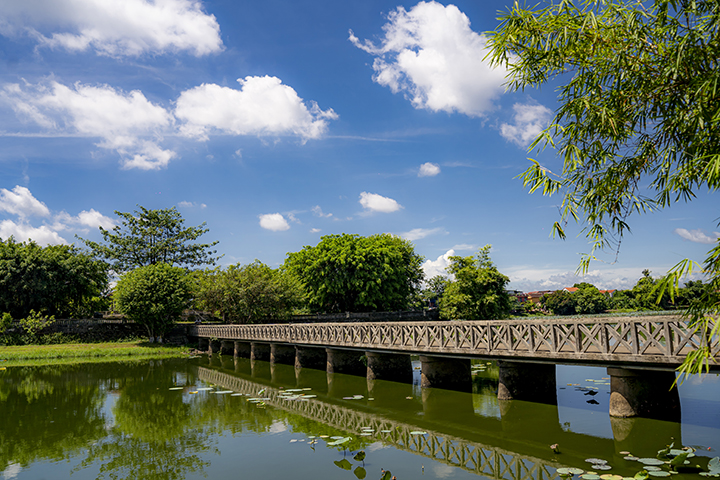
(640, 353)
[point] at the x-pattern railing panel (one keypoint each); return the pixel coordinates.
(625, 340)
(487, 460)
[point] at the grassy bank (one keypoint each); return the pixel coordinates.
(88, 350)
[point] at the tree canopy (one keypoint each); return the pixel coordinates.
(154, 296)
(638, 123)
(56, 280)
(350, 273)
(477, 291)
(246, 293)
(147, 237)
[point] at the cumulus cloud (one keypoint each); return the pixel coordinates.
(23, 232)
(185, 204)
(114, 28)
(262, 106)
(698, 235)
(419, 233)
(22, 203)
(122, 121)
(428, 170)
(377, 203)
(273, 221)
(314, 230)
(431, 54)
(530, 120)
(87, 218)
(437, 266)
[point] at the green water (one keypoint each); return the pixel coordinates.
(132, 420)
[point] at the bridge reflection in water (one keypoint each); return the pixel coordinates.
(515, 446)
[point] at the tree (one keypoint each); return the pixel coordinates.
(638, 122)
(154, 296)
(247, 293)
(147, 237)
(477, 291)
(56, 280)
(588, 299)
(350, 273)
(560, 302)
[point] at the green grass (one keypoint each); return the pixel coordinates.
(108, 350)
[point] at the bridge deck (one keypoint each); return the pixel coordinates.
(658, 340)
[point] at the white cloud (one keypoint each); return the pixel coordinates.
(698, 236)
(317, 211)
(378, 203)
(22, 203)
(428, 170)
(464, 246)
(314, 230)
(273, 221)
(530, 120)
(432, 55)
(120, 119)
(262, 106)
(114, 28)
(419, 233)
(91, 218)
(23, 232)
(438, 266)
(185, 204)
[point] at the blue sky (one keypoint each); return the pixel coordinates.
(279, 122)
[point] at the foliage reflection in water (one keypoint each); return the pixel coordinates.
(186, 419)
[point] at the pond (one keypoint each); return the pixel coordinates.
(221, 417)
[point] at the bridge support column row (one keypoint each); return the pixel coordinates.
(643, 393)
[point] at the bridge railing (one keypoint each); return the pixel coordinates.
(664, 340)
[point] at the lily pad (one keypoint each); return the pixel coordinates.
(365, 434)
(570, 471)
(652, 468)
(661, 473)
(344, 464)
(603, 466)
(714, 465)
(631, 458)
(223, 392)
(596, 461)
(651, 461)
(340, 441)
(611, 476)
(176, 388)
(205, 389)
(590, 476)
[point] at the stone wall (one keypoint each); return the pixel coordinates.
(110, 330)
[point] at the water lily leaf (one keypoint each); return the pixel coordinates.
(336, 437)
(360, 473)
(680, 459)
(714, 465)
(344, 464)
(642, 475)
(651, 461)
(340, 441)
(610, 476)
(625, 453)
(222, 392)
(205, 389)
(631, 458)
(596, 461)
(661, 473)
(294, 390)
(176, 388)
(365, 434)
(309, 396)
(385, 431)
(570, 471)
(652, 468)
(261, 391)
(236, 394)
(359, 456)
(386, 475)
(602, 466)
(590, 476)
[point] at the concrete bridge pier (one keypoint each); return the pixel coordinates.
(534, 382)
(260, 351)
(203, 344)
(388, 366)
(643, 393)
(227, 347)
(309, 357)
(447, 373)
(214, 347)
(633, 432)
(241, 349)
(345, 361)
(282, 353)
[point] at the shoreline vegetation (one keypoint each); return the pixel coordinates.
(10, 355)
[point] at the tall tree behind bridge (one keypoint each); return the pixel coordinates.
(638, 125)
(147, 237)
(350, 273)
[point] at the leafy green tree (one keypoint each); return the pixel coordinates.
(247, 293)
(560, 302)
(646, 294)
(56, 280)
(154, 296)
(147, 237)
(623, 300)
(477, 291)
(589, 300)
(350, 273)
(637, 126)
